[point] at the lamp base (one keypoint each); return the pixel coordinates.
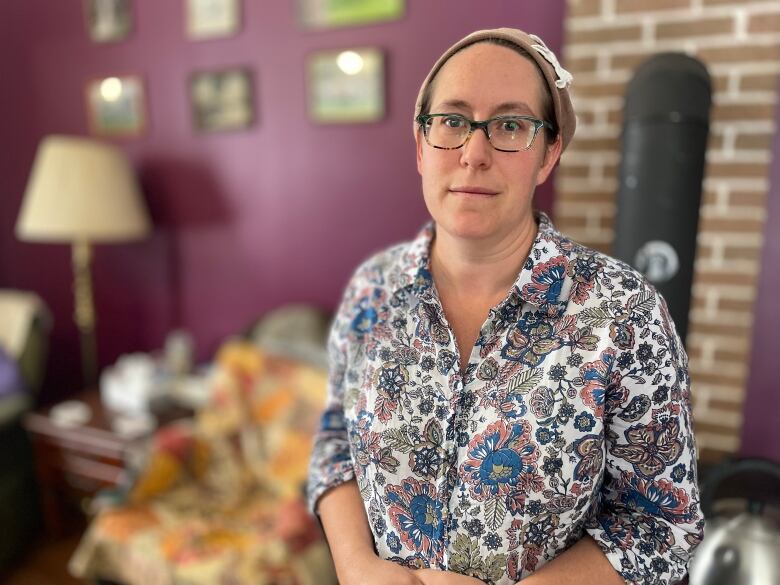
(84, 310)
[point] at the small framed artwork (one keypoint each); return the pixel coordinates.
(212, 19)
(108, 21)
(222, 100)
(346, 86)
(116, 106)
(335, 13)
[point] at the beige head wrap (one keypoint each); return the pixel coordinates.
(557, 78)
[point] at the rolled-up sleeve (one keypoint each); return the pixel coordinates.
(331, 462)
(648, 520)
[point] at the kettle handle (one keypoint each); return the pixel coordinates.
(729, 469)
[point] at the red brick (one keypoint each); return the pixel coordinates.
(747, 198)
(578, 8)
(741, 253)
(591, 90)
(615, 116)
(585, 197)
(708, 455)
(715, 142)
(630, 61)
(570, 170)
(720, 278)
(605, 35)
(650, 6)
(742, 111)
(754, 141)
(744, 52)
(701, 426)
(735, 406)
(737, 169)
(720, 83)
(585, 117)
(695, 28)
(730, 225)
(764, 23)
(759, 82)
(719, 377)
(732, 305)
(580, 64)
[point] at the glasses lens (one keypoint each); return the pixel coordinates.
(511, 133)
(447, 131)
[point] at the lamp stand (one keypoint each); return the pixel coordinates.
(84, 310)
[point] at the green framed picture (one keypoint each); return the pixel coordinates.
(108, 21)
(346, 86)
(336, 13)
(222, 100)
(116, 106)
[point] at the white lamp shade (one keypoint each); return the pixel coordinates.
(81, 189)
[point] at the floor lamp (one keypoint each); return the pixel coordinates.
(81, 192)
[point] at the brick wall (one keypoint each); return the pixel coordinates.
(739, 41)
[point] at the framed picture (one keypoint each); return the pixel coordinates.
(346, 86)
(222, 100)
(335, 13)
(108, 20)
(211, 19)
(116, 106)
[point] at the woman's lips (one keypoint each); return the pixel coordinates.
(472, 190)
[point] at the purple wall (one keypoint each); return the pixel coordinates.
(761, 429)
(244, 221)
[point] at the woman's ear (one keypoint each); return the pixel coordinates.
(418, 140)
(552, 152)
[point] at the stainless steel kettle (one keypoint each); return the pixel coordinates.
(742, 549)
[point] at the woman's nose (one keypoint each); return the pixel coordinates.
(477, 150)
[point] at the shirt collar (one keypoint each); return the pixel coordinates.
(413, 267)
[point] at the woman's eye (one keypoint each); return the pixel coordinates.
(510, 126)
(454, 122)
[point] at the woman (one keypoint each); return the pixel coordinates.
(504, 404)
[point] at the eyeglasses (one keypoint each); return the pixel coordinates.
(505, 133)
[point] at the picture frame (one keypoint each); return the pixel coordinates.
(323, 14)
(222, 100)
(212, 19)
(346, 86)
(116, 106)
(108, 21)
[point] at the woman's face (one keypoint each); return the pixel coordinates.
(477, 192)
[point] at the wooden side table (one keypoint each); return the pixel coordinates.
(74, 462)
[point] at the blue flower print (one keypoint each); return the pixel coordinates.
(531, 340)
(596, 376)
(393, 542)
(547, 280)
(416, 513)
(367, 316)
(364, 320)
(658, 498)
(584, 422)
(546, 435)
(498, 459)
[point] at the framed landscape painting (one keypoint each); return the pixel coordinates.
(212, 19)
(335, 13)
(108, 21)
(116, 106)
(346, 86)
(222, 100)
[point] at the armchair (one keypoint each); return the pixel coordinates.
(219, 498)
(25, 323)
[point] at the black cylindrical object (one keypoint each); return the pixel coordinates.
(665, 128)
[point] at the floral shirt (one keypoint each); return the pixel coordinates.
(571, 418)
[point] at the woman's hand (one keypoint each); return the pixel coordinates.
(434, 577)
(376, 571)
